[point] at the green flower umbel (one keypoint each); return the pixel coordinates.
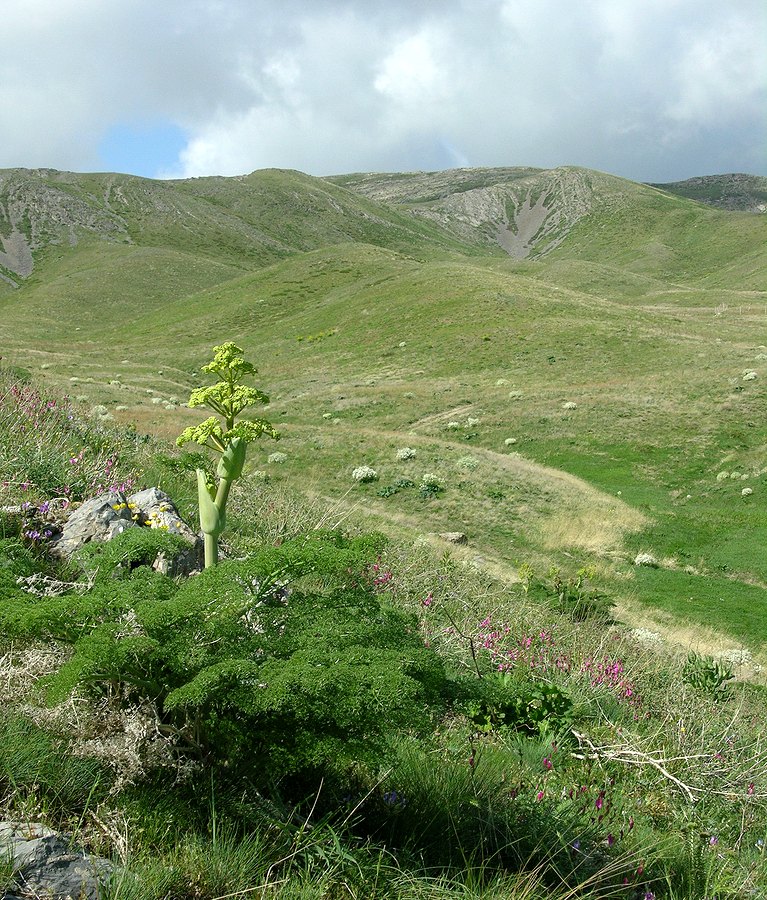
(228, 398)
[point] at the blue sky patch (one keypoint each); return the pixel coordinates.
(145, 150)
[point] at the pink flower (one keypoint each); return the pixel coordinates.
(539, 796)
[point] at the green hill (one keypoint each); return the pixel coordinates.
(747, 193)
(565, 351)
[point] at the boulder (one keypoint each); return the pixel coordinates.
(110, 514)
(454, 537)
(47, 865)
(99, 519)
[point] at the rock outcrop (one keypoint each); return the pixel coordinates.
(46, 864)
(110, 514)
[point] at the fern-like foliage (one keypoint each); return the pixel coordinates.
(287, 662)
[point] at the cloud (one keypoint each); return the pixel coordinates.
(649, 89)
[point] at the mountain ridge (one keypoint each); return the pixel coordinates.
(733, 191)
(255, 219)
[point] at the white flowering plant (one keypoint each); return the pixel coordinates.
(429, 486)
(364, 474)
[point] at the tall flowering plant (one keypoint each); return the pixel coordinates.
(228, 398)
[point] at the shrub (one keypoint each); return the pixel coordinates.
(429, 486)
(133, 548)
(573, 596)
(708, 675)
(504, 702)
(287, 662)
(646, 559)
(577, 599)
(399, 485)
(406, 453)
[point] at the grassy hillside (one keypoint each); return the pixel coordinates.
(747, 193)
(578, 406)
(246, 221)
(330, 713)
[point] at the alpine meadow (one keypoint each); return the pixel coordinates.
(489, 619)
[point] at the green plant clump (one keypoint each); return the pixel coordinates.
(708, 675)
(505, 702)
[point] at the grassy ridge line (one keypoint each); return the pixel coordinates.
(246, 221)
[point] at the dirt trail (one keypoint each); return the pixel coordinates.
(683, 636)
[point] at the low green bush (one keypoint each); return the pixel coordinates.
(286, 662)
(708, 675)
(574, 596)
(133, 548)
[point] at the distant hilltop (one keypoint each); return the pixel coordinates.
(747, 193)
(250, 221)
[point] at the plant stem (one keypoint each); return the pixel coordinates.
(211, 550)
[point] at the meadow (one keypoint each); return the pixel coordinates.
(589, 418)
(417, 727)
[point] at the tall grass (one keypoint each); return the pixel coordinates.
(49, 451)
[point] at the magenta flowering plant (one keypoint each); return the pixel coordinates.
(229, 398)
(48, 450)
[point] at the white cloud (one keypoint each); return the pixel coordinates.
(651, 89)
(720, 75)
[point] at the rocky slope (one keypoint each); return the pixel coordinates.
(526, 212)
(747, 193)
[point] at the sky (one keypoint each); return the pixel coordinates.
(652, 90)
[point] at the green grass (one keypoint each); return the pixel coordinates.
(646, 316)
(621, 790)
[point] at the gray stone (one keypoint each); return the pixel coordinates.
(157, 510)
(46, 864)
(108, 515)
(94, 520)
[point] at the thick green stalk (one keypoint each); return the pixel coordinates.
(211, 550)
